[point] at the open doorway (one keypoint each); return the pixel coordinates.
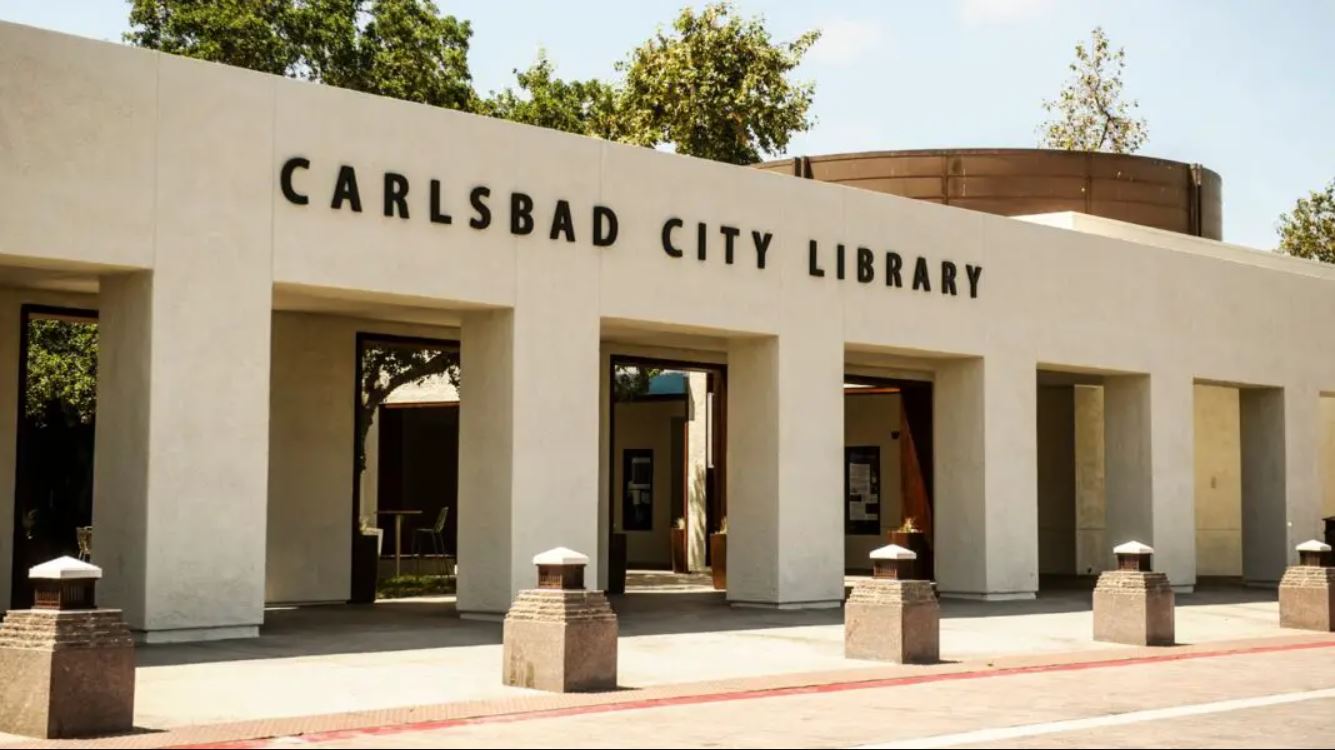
(406, 461)
(53, 484)
(667, 504)
(888, 476)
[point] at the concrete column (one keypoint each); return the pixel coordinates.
(986, 479)
(1280, 482)
(1093, 554)
(785, 481)
(1149, 439)
(181, 467)
(528, 443)
(697, 466)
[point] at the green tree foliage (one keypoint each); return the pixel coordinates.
(62, 371)
(716, 87)
(583, 107)
(400, 48)
(1309, 230)
(1090, 114)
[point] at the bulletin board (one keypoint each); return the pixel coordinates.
(862, 489)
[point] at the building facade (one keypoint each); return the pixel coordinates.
(236, 232)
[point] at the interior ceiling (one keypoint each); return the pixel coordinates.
(82, 282)
(352, 305)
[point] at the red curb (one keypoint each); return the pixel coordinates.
(686, 700)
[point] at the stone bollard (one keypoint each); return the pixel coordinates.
(560, 637)
(1305, 592)
(893, 617)
(68, 667)
(1133, 604)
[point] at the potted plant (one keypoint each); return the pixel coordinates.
(678, 537)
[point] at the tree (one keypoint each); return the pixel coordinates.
(387, 366)
(400, 48)
(1090, 114)
(717, 87)
(1309, 231)
(583, 107)
(62, 371)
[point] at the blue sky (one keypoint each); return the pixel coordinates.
(1245, 88)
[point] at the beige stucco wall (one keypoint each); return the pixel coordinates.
(1218, 482)
(127, 160)
(1328, 455)
(648, 424)
(870, 420)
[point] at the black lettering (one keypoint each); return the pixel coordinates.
(893, 263)
(437, 216)
(668, 247)
(396, 194)
(812, 267)
(604, 226)
(839, 261)
(285, 179)
(948, 278)
(483, 218)
(700, 230)
(761, 240)
(729, 234)
(562, 223)
(521, 213)
(866, 272)
(974, 273)
(920, 278)
(345, 189)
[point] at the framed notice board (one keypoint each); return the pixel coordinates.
(637, 489)
(862, 489)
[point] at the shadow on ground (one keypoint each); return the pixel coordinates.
(433, 623)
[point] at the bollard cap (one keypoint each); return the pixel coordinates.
(1133, 548)
(893, 552)
(65, 569)
(1312, 545)
(560, 556)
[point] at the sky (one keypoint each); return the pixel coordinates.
(1246, 88)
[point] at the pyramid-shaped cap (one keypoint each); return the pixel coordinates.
(65, 569)
(560, 556)
(1313, 545)
(893, 552)
(1133, 548)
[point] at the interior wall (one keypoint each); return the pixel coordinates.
(647, 424)
(1056, 480)
(311, 461)
(1218, 482)
(1327, 456)
(1091, 544)
(872, 419)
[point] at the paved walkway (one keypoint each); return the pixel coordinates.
(368, 663)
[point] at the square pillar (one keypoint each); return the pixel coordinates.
(986, 525)
(528, 435)
(1281, 487)
(1149, 448)
(785, 478)
(181, 467)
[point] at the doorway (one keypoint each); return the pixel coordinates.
(667, 503)
(57, 414)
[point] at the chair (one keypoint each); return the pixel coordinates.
(436, 535)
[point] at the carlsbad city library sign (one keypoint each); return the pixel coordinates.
(602, 228)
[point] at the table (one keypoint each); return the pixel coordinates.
(398, 534)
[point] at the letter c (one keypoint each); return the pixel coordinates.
(285, 180)
(668, 247)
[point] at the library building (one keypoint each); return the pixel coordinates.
(265, 342)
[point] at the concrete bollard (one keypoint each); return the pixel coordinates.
(560, 637)
(1133, 604)
(68, 667)
(1305, 591)
(893, 617)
